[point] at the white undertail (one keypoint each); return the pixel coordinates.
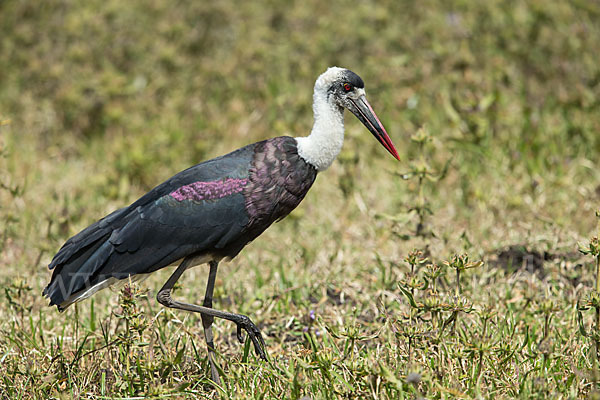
(325, 141)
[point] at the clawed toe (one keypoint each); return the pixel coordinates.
(239, 334)
(254, 334)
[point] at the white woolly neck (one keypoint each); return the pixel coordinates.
(325, 141)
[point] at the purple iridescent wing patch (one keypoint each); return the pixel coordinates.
(198, 191)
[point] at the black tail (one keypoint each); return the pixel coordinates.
(79, 258)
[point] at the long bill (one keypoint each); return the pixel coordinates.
(364, 112)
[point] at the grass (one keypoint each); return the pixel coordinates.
(373, 287)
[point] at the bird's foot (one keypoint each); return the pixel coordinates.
(253, 333)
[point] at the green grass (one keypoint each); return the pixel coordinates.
(102, 100)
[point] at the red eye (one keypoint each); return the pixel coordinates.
(347, 87)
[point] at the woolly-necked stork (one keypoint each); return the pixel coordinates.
(210, 211)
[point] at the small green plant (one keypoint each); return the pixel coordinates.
(131, 341)
(18, 296)
(479, 345)
(413, 282)
(424, 175)
(432, 311)
(592, 301)
(460, 263)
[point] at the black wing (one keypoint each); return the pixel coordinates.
(155, 231)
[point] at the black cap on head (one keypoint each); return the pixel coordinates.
(354, 79)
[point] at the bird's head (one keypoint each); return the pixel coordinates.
(346, 90)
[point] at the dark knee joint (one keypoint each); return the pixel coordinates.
(164, 298)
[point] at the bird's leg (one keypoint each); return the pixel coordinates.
(242, 321)
(207, 321)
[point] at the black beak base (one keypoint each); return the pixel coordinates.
(364, 112)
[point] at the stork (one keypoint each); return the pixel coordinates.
(210, 211)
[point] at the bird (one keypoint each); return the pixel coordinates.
(211, 211)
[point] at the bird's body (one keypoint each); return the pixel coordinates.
(212, 210)
(209, 212)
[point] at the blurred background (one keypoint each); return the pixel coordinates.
(101, 101)
(494, 103)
